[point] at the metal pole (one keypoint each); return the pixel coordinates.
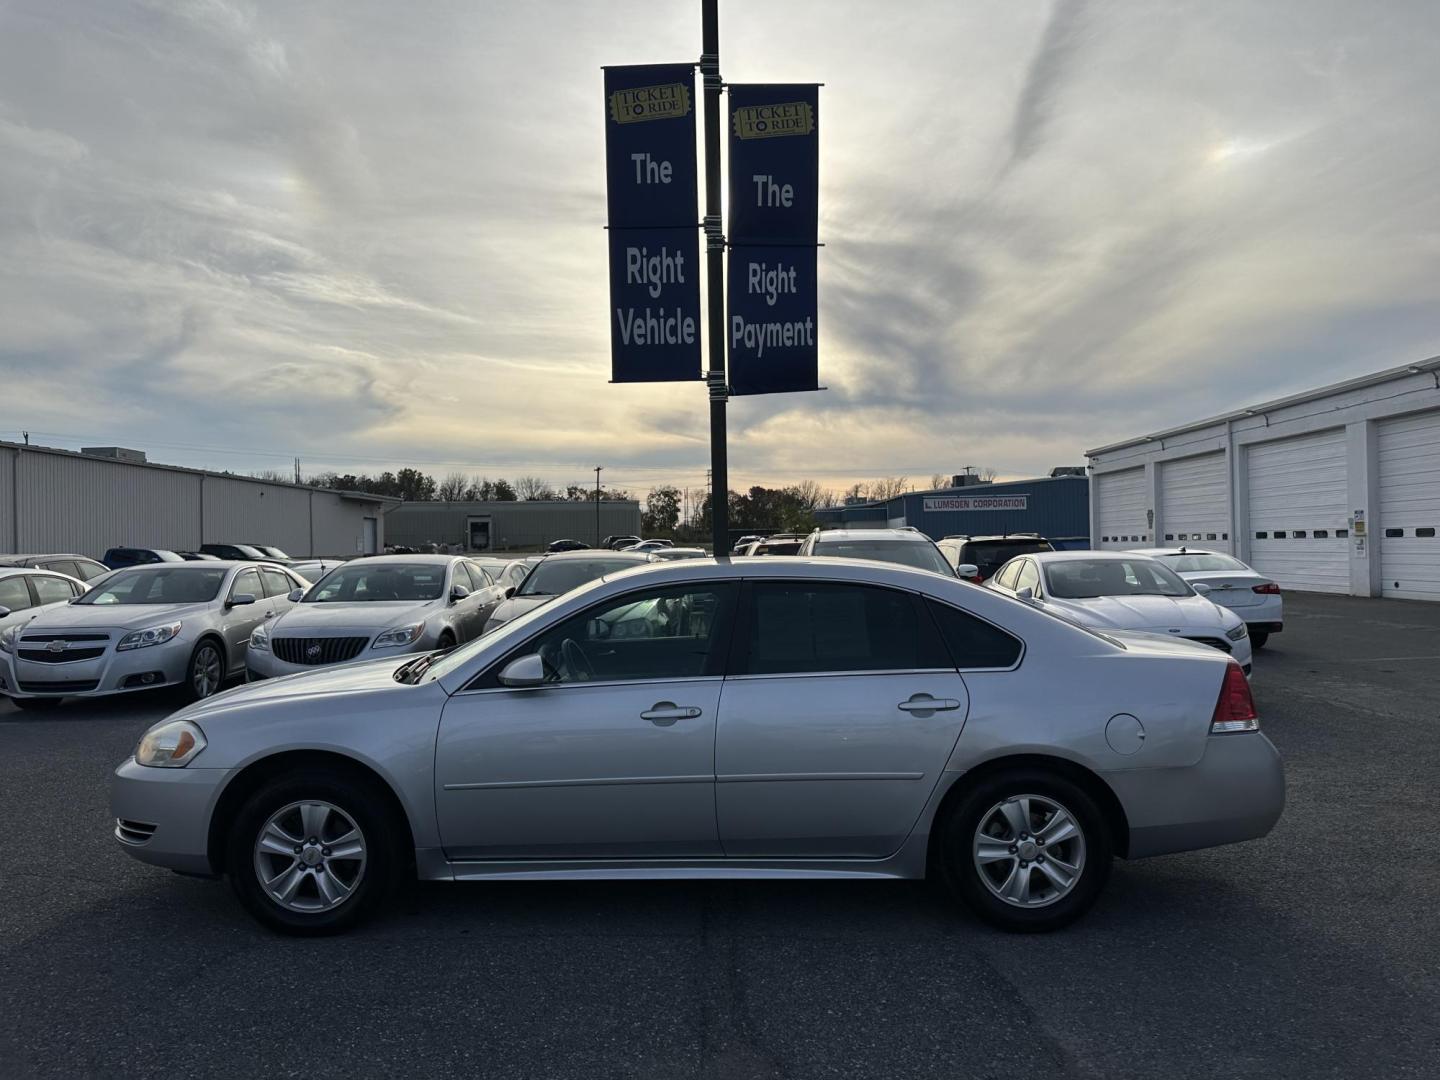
(715, 277)
(597, 504)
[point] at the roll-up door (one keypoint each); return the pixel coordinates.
(1409, 458)
(1297, 520)
(1120, 517)
(1195, 503)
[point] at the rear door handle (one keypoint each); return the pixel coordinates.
(667, 712)
(919, 703)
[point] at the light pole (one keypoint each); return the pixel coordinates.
(597, 504)
(715, 272)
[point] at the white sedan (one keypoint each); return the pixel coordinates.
(1252, 596)
(1123, 590)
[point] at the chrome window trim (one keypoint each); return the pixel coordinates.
(867, 673)
(595, 683)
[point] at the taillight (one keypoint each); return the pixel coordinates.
(978, 580)
(1235, 711)
(1269, 588)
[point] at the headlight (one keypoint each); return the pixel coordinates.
(170, 745)
(7, 639)
(400, 635)
(143, 639)
(1238, 632)
(260, 640)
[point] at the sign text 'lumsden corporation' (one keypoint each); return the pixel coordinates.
(977, 502)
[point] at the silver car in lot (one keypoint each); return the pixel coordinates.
(180, 624)
(381, 606)
(25, 594)
(1123, 590)
(556, 575)
(756, 718)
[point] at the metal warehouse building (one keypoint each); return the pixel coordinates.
(509, 526)
(1335, 490)
(1056, 507)
(60, 501)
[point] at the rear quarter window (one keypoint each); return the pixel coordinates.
(973, 642)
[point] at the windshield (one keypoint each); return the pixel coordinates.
(1078, 579)
(1202, 561)
(989, 555)
(273, 552)
(555, 576)
(169, 586)
(920, 554)
(412, 582)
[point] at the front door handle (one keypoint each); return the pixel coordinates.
(666, 713)
(924, 703)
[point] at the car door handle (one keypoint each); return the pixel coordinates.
(925, 703)
(667, 712)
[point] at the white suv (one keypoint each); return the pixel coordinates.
(907, 546)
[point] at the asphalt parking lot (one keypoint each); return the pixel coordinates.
(1311, 953)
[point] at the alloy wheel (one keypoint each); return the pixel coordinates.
(310, 857)
(1029, 851)
(205, 672)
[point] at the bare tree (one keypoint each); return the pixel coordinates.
(888, 487)
(453, 487)
(939, 480)
(274, 475)
(811, 495)
(988, 473)
(532, 487)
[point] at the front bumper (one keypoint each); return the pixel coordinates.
(1235, 792)
(111, 673)
(163, 815)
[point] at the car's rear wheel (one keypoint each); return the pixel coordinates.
(1259, 638)
(37, 704)
(205, 673)
(1027, 850)
(313, 853)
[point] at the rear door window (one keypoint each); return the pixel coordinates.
(62, 566)
(51, 590)
(13, 593)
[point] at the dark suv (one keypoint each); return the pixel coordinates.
(117, 557)
(989, 553)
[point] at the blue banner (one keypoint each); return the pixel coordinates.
(650, 146)
(655, 304)
(770, 325)
(774, 164)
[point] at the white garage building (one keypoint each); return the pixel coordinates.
(1335, 490)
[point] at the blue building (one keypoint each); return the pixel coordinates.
(1056, 507)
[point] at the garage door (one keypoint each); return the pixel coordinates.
(1120, 514)
(1409, 453)
(1195, 502)
(1298, 523)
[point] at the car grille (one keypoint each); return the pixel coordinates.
(75, 686)
(67, 656)
(65, 637)
(133, 832)
(316, 651)
(1214, 643)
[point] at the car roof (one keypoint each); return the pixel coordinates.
(908, 533)
(12, 571)
(596, 553)
(408, 560)
(1062, 556)
(1008, 538)
(1182, 551)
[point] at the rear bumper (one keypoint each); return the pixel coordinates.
(1235, 792)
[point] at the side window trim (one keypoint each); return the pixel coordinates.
(235, 583)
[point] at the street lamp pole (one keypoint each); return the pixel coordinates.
(597, 504)
(715, 276)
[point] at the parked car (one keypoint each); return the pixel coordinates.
(180, 624)
(665, 553)
(241, 552)
(557, 575)
(650, 545)
(615, 543)
(906, 545)
(988, 553)
(743, 542)
(1007, 753)
(773, 546)
(567, 545)
(74, 566)
(198, 556)
(270, 551)
(1232, 584)
(26, 592)
(118, 557)
(514, 572)
(383, 605)
(1123, 590)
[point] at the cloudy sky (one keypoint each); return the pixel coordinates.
(370, 234)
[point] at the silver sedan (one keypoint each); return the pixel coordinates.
(760, 718)
(180, 624)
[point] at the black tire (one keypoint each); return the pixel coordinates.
(955, 853)
(355, 798)
(446, 641)
(37, 704)
(1259, 638)
(187, 690)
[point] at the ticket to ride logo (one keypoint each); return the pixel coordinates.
(666, 102)
(770, 121)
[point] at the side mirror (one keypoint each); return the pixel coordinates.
(295, 595)
(967, 570)
(458, 592)
(240, 600)
(1201, 589)
(1026, 594)
(509, 592)
(4, 611)
(524, 671)
(72, 600)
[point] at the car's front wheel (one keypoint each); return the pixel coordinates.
(1258, 639)
(313, 853)
(205, 673)
(1027, 850)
